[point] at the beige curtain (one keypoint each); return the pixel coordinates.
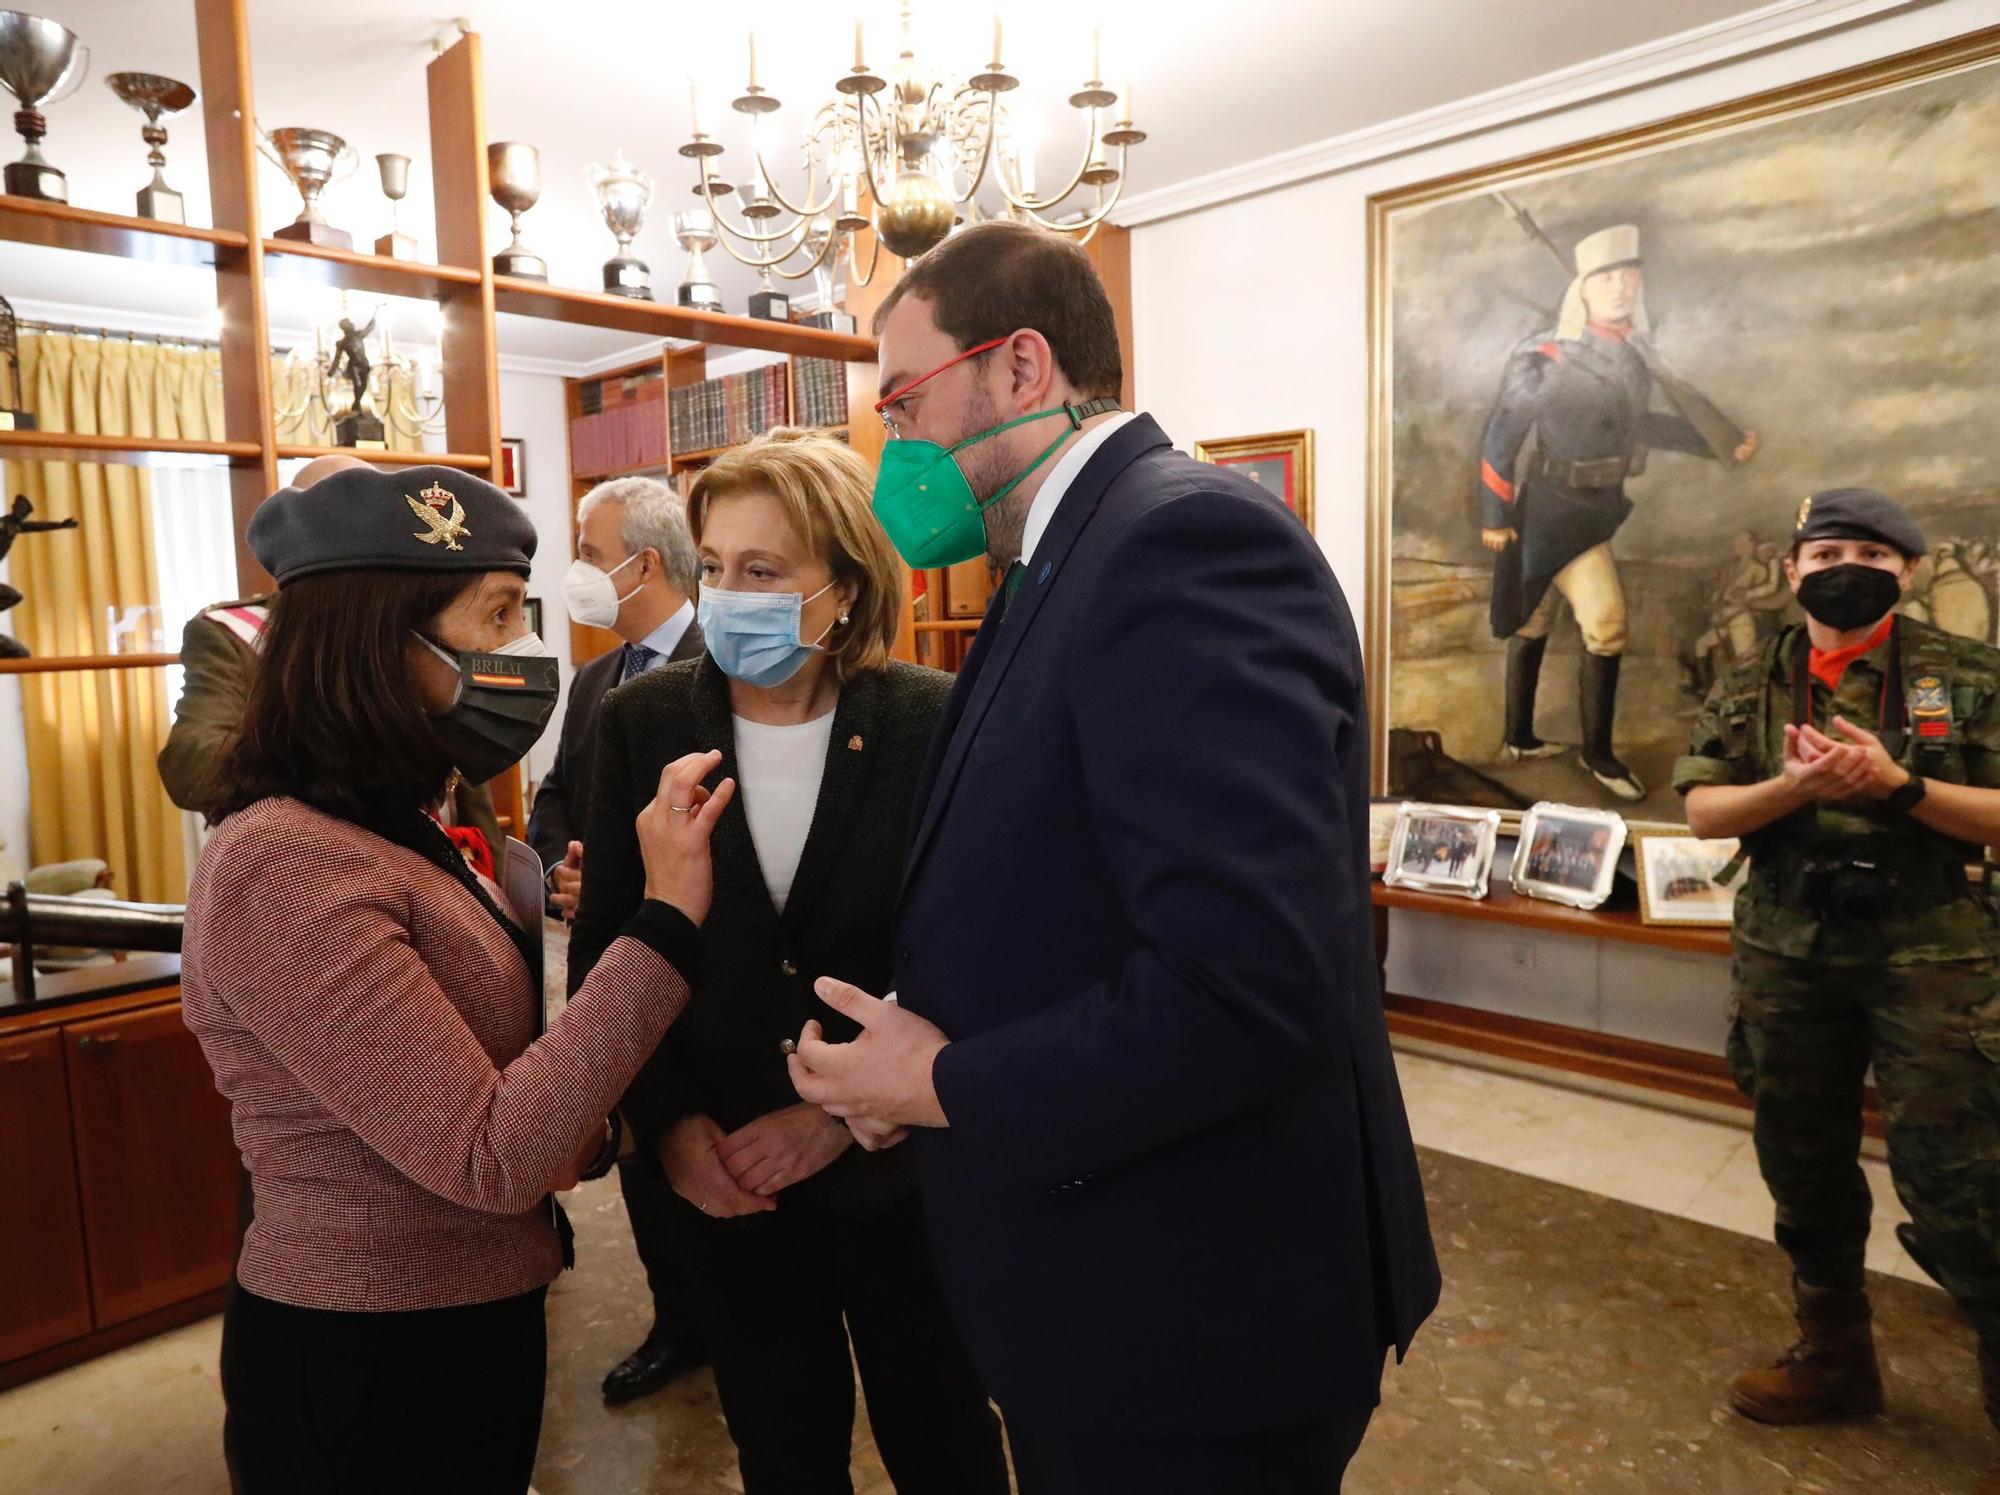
(309, 425)
(93, 735)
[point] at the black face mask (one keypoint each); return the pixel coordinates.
(504, 700)
(1849, 596)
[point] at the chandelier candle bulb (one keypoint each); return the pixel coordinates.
(860, 63)
(1125, 103)
(996, 43)
(1096, 61)
(753, 59)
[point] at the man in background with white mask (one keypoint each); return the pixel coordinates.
(635, 573)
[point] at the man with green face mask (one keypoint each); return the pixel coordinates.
(1136, 998)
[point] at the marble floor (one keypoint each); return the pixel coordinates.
(1593, 1308)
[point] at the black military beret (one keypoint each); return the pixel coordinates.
(393, 519)
(1858, 514)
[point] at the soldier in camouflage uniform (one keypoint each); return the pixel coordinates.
(1858, 757)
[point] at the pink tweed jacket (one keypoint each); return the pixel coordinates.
(373, 1029)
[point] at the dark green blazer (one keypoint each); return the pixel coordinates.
(721, 1057)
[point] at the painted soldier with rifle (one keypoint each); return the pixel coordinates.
(1550, 505)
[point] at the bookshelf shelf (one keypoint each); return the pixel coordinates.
(533, 298)
(75, 446)
(374, 274)
(470, 461)
(58, 225)
(54, 664)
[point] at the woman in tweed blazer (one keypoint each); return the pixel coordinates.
(370, 1004)
(797, 1243)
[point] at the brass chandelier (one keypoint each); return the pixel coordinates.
(923, 153)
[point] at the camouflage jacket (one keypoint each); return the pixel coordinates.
(1951, 693)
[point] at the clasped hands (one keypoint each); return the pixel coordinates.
(1819, 768)
(880, 1084)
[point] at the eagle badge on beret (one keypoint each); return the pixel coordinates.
(440, 528)
(1805, 510)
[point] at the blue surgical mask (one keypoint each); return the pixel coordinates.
(754, 636)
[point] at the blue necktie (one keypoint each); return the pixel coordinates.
(638, 660)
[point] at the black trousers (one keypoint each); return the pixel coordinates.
(649, 1205)
(779, 1295)
(1058, 1459)
(327, 1403)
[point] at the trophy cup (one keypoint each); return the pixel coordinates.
(829, 316)
(12, 418)
(695, 229)
(154, 97)
(623, 194)
(516, 173)
(395, 244)
(768, 302)
(312, 159)
(41, 63)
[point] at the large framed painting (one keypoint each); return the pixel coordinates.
(1603, 378)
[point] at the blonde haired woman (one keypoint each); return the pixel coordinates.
(798, 1245)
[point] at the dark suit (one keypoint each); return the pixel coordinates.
(560, 815)
(1177, 1195)
(779, 1293)
(562, 804)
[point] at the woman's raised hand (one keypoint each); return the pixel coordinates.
(674, 833)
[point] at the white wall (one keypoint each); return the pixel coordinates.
(1231, 338)
(531, 409)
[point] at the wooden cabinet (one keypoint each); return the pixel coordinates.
(119, 1178)
(44, 1295)
(156, 1164)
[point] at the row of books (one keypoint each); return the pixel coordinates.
(728, 411)
(625, 429)
(821, 385)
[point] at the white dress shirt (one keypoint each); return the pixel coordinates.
(1043, 509)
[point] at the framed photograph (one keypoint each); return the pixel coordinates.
(1568, 854)
(1677, 879)
(514, 466)
(1601, 378)
(1442, 849)
(1281, 461)
(532, 606)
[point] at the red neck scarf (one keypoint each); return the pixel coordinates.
(1829, 665)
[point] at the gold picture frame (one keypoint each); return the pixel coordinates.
(1676, 875)
(1500, 273)
(1280, 461)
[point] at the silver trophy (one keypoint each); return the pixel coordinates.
(515, 171)
(828, 316)
(623, 194)
(312, 159)
(157, 98)
(395, 244)
(695, 228)
(41, 62)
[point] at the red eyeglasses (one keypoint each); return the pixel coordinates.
(882, 405)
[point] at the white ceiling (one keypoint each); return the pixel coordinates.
(1215, 85)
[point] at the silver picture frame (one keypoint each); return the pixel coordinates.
(1568, 854)
(1443, 849)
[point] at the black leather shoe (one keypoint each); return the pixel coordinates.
(656, 1363)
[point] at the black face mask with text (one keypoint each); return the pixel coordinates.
(505, 698)
(1850, 596)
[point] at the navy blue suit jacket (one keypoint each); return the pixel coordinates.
(1178, 1189)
